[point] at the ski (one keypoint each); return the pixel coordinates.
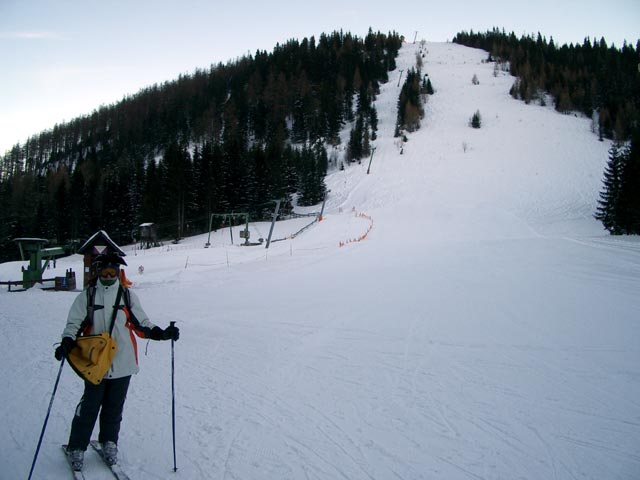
(77, 475)
(116, 469)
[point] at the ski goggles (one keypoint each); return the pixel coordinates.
(109, 272)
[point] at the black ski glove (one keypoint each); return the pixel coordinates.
(170, 333)
(64, 348)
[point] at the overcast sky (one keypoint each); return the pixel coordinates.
(64, 58)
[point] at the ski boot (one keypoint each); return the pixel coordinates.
(77, 459)
(110, 452)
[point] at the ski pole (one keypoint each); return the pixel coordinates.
(46, 419)
(173, 400)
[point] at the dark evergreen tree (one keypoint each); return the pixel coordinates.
(312, 166)
(619, 204)
(80, 203)
(151, 194)
(354, 149)
(476, 120)
(609, 209)
(410, 109)
(427, 87)
(630, 188)
(61, 205)
(177, 187)
(373, 120)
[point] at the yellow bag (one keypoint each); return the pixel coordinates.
(92, 356)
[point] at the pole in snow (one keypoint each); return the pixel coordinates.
(208, 244)
(324, 201)
(370, 160)
(273, 222)
(173, 400)
(46, 419)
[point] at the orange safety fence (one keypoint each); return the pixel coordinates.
(364, 235)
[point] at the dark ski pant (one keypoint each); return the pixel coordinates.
(107, 398)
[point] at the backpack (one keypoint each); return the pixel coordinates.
(92, 356)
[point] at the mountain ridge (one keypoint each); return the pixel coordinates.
(484, 328)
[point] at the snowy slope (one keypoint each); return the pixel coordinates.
(485, 328)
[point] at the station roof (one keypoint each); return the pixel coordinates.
(100, 242)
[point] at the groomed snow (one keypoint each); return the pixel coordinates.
(486, 327)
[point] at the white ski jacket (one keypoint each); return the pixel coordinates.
(125, 362)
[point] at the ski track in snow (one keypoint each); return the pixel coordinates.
(486, 328)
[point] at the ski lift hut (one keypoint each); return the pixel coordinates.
(148, 235)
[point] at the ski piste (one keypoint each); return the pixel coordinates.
(115, 468)
(77, 475)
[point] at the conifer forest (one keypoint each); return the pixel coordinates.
(240, 135)
(235, 137)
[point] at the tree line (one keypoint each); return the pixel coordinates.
(233, 137)
(598, 80)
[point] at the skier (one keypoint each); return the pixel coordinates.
(108, 396)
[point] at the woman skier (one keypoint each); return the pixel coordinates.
(108, 306)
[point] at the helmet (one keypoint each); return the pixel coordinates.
(108, 260)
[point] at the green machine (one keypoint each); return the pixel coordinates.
(33, 248)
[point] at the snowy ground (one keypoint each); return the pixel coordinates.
(486, 328)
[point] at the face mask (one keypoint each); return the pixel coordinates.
(107, 282)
